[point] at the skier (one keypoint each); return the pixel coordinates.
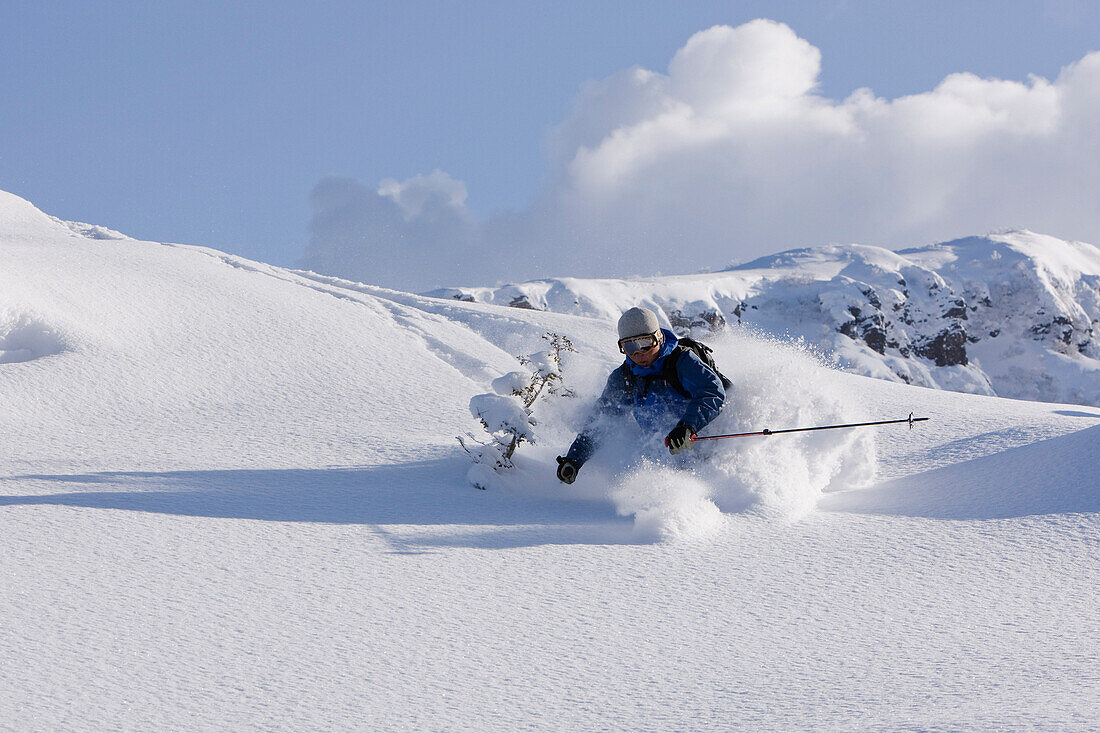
(661, 380)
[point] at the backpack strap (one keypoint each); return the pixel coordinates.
(670, 375)
(629, 378)
(668, 370)
(706, 355)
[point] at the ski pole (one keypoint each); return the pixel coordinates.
(765, 431)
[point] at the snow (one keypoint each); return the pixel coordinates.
(231, 498)
(1013, 314)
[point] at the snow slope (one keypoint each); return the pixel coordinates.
(1012, 314)
(231, 498)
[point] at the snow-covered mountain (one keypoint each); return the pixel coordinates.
(231, 498)
(1014, 314)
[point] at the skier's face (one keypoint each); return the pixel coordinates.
(647, 357)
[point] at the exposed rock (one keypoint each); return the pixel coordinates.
(958, 310)
(739, 309)
(521, 301)
(710, 318)
(948, 348)
(869, 330)
(872, 298)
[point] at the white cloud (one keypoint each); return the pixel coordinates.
(399, 236)
(733, 154)
(724, 70)
(428, 196)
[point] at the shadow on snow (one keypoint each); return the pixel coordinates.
(422, 494)
(1054, 476)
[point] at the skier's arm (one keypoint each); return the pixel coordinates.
(611, 402)
(705, 388)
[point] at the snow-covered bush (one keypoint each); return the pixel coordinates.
(506, 412)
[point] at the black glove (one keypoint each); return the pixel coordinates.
(679, 439)
(567, 470)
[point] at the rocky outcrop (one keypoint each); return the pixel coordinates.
(947, 348)
(710, 319)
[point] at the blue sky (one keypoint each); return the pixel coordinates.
(211, 123)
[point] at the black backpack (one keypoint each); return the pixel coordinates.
(668, 371)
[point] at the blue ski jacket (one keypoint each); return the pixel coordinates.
(655, 403)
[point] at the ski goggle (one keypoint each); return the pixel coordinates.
(634, 344)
